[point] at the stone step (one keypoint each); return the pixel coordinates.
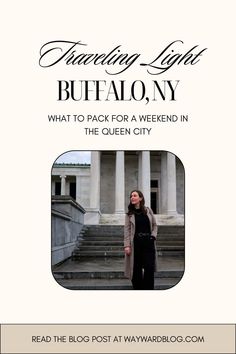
(171, 229)
(171, 253)
(120, 240)
(100, 230)
(115, 248)
(109, 226)
(121, 234)
(102, 238)
(96, 253)
(101, 242)
(100, 248)
(170, 247)
(162, 251)
(121, 243)
(110, 274)
(170, 236)
(112, 284)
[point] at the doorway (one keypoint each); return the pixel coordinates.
(155, 196)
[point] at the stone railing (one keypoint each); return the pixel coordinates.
(67, 222)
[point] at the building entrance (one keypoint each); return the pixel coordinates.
(155, 196)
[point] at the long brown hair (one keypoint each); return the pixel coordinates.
(131, 207)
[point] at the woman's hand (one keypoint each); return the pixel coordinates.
(128, 250)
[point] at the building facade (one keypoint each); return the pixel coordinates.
(103, 187)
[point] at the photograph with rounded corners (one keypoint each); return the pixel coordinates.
(118, 220)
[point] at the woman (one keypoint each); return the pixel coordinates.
(139, 243)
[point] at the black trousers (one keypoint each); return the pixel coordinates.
(144, 263)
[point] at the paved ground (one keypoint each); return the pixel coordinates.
(99, 273)
(114, 264)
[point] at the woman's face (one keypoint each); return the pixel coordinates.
(135, 198)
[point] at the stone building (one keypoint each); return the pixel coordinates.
(102, 188)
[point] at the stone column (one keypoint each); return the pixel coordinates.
(163, 183)
(171, 184)
(140, 170)
(63, 185)
(78, 189)
(95, 180)
(92, 215)
(120, 183)
(145, 176)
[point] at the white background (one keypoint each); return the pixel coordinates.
(29, 146)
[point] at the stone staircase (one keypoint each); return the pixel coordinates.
(171, 241)
(107, 241)
(97, 262)
(100, 241)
